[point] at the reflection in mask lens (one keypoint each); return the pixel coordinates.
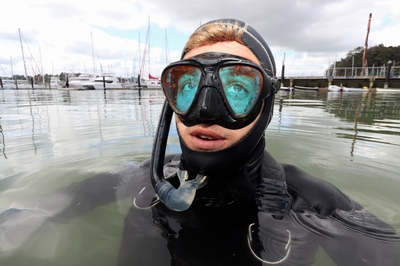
(181, 84)
(241, 85)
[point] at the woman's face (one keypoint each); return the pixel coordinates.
(212, 137)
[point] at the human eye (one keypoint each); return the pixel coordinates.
(236, 89)
(187, 88)
(241, 87)
(188, 81)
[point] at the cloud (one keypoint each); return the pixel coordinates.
(310, 33)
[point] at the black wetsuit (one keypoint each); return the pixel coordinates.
(288, 208)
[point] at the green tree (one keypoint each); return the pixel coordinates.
(377, 56)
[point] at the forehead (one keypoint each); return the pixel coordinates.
(233, 48)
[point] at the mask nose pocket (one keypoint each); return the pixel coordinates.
(210, 104)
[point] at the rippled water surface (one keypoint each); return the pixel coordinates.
(50, 139)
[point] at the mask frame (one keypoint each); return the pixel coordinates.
(210, 103)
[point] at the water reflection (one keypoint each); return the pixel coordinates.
(368, 116)
(2, 142)
(42, 112)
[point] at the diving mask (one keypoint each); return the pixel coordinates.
(217, 88)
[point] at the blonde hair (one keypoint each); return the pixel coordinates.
(218, 31)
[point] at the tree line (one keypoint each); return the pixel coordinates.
(376, 56)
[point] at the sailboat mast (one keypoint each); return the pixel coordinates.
(364, 59)
(12, 72)
(283, 70)
(146, 51)
(148, 48)
(23, 56)
(41, 64)
(94, 68)
(167, 56)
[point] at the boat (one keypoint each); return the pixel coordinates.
(82, 82)
(305, 88)
(347, 89)
(388, 89)
(55, 83)
(153, 84)
(107, 81)
(285, 88)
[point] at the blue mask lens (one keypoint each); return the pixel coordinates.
(182, 83)
(187, 88)
(239, 84)
(242, 86)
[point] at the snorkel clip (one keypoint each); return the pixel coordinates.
(180, 199)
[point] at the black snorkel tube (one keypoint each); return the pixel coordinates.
(160, 143)
(177, 199)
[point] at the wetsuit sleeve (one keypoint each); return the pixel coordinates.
(105, 188)
(352, 235)
(314, 194)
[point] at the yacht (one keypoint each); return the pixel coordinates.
(82, 82)
(55, 83)
(107, 80)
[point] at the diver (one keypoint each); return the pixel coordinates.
(225, 200)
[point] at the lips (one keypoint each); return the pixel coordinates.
(206, 139)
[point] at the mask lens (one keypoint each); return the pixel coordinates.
(180, 84)
(242, 85)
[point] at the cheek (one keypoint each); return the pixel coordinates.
(182, 129)
(238, 134)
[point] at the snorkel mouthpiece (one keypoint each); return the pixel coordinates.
(177, 199)
(180, 199)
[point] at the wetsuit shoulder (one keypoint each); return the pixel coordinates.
(313, 193)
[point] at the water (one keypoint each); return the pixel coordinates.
(51, 139)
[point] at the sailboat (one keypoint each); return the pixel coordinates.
(23, 84)
(85, 81)
(152, 82)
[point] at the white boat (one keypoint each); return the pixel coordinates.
(107, 80)
(388, 89)
(347, 89)
(82, 82)
(285, 88)
(55, 83)
(305, 88)
(153, 84)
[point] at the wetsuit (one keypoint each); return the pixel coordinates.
(287, 206)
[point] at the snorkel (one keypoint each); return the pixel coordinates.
(177, 199)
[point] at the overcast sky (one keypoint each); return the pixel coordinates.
(58, 36)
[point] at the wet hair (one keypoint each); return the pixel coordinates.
(219, 31)
(226, 30)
